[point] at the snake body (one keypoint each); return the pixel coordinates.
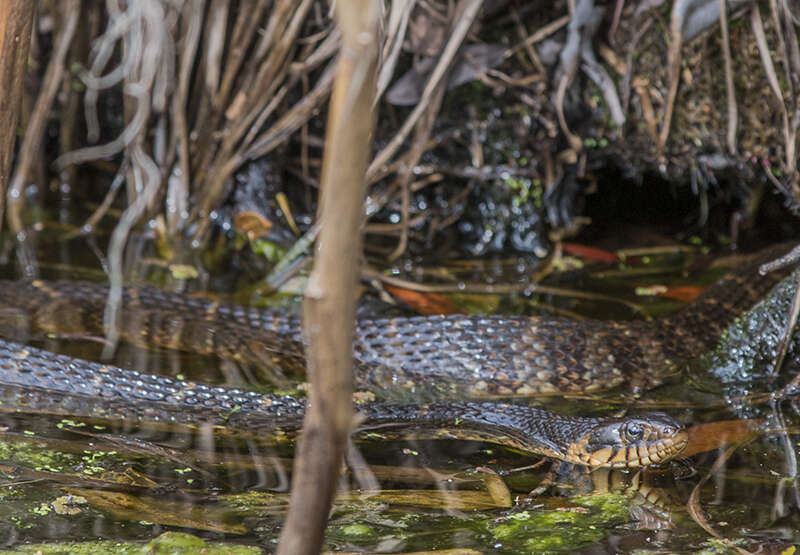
(33, 380)
(478, 355)
(481, 354)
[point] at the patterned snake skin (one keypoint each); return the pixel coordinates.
(32, 380)
(477, 355)
(485, 355)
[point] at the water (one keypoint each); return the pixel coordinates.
(100, 480)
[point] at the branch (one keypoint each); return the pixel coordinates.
(16, 20)
(329, 308)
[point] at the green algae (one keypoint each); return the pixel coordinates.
(165, 544)
(35, 508)
(68, 504)
(33, 454)
(357, 530)
(177, 542)
(716, 546)
(372, 520)
(561, 529)
(364, 529)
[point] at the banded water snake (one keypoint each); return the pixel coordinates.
(43, 382)
(478, 355)
(496, 355)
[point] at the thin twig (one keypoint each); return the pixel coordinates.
(790, 458)
(495, 289)
(693, 504)
(542, 33)
(16, 21)
(468, 11)
(108, 200)
(177, 197)
(421, 138)
(788, 331)
(399, 15)
(674, 66)
(772, 78)
(726, 53)
(34, 134)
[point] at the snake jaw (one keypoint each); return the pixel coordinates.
(632, 442)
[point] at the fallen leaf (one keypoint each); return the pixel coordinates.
(713, 435)
(251, 224)
(423, 303)
(686, 293)
(590, 253)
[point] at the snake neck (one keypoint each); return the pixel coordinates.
(517, 426)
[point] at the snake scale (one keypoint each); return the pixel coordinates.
(495, 355)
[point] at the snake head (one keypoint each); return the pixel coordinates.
(631, 442)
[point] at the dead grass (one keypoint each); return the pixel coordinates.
(205, 88)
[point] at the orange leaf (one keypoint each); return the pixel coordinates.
(710, 436)
(252, 224)
(684, 293)
(589, 253)
(423, 303)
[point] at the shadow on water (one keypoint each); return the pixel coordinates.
(98, 480)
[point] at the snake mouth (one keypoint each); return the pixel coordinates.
(639, 455)
(630, 443)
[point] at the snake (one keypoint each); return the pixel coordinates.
(494, 355)
(34, 380)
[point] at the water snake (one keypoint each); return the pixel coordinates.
(496, 355)
(34, 380)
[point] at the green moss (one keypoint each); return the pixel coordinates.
(68, 504)
(33, 455)
(564, 529)
(176, 542)
(252, 503)
(267, 249)
(716, 546)
(610, 506)
(42, 509)
(357, 530)
(183, 271)
(168, 543)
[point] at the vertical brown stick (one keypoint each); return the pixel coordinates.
(70, 11)
(16, 20)
(329, 308)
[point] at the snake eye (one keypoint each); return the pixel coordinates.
(633, 432)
